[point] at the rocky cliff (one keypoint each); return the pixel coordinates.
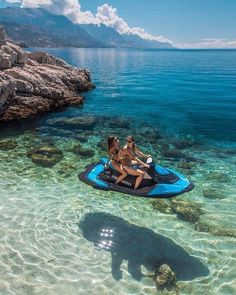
(36, 27)
(32, 83)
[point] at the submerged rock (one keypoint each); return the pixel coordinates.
(151, 135)
(102, 144)
(211, 193)
(165, 277)
(215, 230)
(186, 210)
(231, 152)
(218, 177)
(224, 153)
(162, 206)
(46, 156)
(186, 165)
(7, 144)
(84, 152)
(118, 122)
(85, 122)
(194, 159)
(88, 132)
(184, 144)
(66, 169)
(81, 138)
(173, 153)
(51, 131)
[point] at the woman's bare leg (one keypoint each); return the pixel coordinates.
(120, 169)
(121, 177)
(138, 181)
(147, 176)
(138, 173)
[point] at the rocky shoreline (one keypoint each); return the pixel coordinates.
(34, 83)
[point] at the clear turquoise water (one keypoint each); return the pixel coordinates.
(181, 94)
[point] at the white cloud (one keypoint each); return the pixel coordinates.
(35, 3)
(108, 16)
(210, 43)
(145, 35)
(13, 1)
(68, 8)
(105, 14)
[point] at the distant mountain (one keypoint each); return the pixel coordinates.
(112, 38)
(39, 28)
(105, 34)
(137, 42)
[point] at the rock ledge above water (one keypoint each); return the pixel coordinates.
(33, 83)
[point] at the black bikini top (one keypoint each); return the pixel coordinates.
(116, 151)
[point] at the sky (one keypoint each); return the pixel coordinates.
(183, 23)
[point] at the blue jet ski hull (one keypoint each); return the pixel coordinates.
(164, 183)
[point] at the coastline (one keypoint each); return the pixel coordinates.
(34, 83)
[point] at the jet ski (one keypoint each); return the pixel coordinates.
(164, 182)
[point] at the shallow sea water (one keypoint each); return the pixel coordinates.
(50, 223)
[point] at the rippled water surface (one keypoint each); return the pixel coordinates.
(60, 236)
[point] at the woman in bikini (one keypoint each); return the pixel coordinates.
(130, 156)
(133, 149)
(115, 156)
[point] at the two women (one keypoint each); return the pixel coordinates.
(123, 159)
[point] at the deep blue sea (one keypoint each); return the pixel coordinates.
(60, 236)
(181, 91)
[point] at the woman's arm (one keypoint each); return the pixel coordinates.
(111, 153)
(110, 156)
(139, 153)
(141, 162)
(135, 158)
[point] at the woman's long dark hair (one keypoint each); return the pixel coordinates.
(110, 141)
